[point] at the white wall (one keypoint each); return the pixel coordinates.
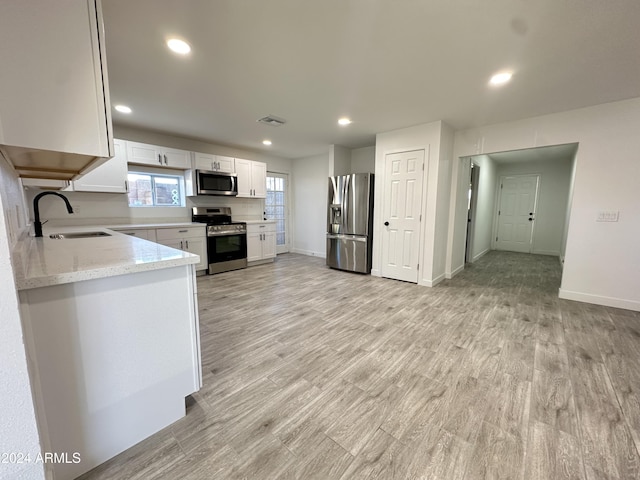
(485, 206)
(363, 160)
(565, 232)
(309, 193)
(427, 137)
(18, 427)
(339, 160)
(442, 204)
(553, 198)
(602, 261)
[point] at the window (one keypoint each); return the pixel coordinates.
(155, 190)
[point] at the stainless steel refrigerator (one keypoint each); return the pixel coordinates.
(349, 222)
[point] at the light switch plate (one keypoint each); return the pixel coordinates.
(607, 216)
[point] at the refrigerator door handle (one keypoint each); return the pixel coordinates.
(355, 238)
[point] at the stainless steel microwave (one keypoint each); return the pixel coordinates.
(216, 183)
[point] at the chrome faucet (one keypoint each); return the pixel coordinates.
(37, 226)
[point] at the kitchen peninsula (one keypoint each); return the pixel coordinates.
(112, 334)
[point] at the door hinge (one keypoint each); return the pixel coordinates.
(496, 239)
(423, 167)
(498, 212)
(420, 218)
(418, 267)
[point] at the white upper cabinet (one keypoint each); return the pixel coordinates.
(110, 177)
(156, 156)
(216, 163)
(54, 93)
(252, 178)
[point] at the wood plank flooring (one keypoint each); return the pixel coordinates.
(313, 373)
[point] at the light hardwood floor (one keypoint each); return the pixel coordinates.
(313, 373)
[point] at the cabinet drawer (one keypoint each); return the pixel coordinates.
(261, 227)
(180, 232)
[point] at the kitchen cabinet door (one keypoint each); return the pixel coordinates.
(243, 170)
(254, 247)
(214, 163)
(173, 158)
(225, 164)
(189, 239)
(144, 154)
(110, 177)
(269, 245)
(55, 94)
(259, 179)
(252, 178)
(261, 242)
(156, 156)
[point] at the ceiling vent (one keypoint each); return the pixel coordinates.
(272, 120)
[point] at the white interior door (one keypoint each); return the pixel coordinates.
(516, 212)
(401, 214)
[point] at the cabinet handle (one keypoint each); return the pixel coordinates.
(181, 245)
(126, 186)
(182, 231)
(160, 159)
(187, 242)
(165, 160)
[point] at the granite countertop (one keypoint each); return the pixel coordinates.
(41, 262)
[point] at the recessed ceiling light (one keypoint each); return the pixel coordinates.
(344, 121)
(500, 78)
(178, 46)
(266, 142)
(122, 109)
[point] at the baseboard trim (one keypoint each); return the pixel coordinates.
(553, 253)
(480, 255)
(376, 272)
(434, 282)
(600, 300)
(450, 275)
(310, 253)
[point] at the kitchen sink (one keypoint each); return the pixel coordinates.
(60, 236)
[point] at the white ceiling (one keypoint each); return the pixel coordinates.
(387, 64)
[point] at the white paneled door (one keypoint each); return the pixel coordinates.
(517, 212)
(402, 215)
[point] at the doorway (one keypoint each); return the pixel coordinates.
(402, 215)
(277, 208)
(517, 203)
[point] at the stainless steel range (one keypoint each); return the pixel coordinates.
(226, 240)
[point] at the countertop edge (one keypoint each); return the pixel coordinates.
(27, 252)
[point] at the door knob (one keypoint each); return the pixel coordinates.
(530, 213)
(530, 219)
(386, 224)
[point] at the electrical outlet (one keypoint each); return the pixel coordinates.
(607, 216)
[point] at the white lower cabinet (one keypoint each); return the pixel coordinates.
(189, 239)
(261, 242)
(112, 361)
